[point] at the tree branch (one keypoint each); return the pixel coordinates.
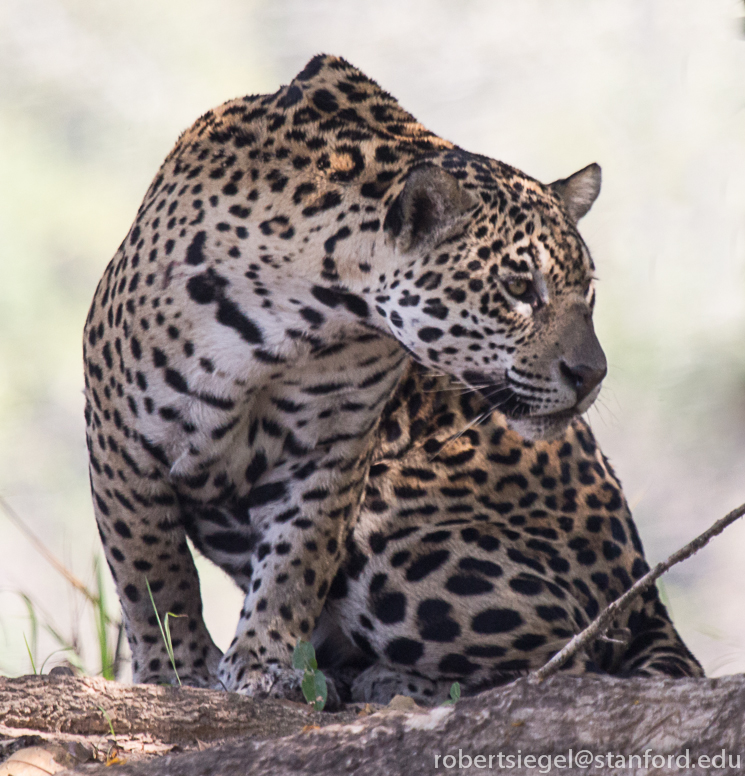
(593, 716)
(604, 619)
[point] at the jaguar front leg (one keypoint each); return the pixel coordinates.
(139, 521)
(304, 524)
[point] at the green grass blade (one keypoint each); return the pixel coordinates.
(34, 620)
(108, 719)
(30, 656)
(102, 622)
(165, 632)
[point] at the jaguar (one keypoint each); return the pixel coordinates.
(348, 360)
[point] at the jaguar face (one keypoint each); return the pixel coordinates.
(496, 289)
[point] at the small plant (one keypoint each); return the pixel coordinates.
(165, 631)
(41, 620)
(314, 682)
(454, 694)
(113, 755)
(108, 720)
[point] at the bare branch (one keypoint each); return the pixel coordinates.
(674, 720)
(604, 619)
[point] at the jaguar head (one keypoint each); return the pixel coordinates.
(495, 287)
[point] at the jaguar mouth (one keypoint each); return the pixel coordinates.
(504, 399)
(500, 396)
(532, 425)
(514, 407)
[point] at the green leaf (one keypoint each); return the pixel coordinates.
(454, 694)
(314, 689)
(304, 656)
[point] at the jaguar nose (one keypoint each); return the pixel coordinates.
(583, 378)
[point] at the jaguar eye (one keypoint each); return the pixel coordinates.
(520, 288)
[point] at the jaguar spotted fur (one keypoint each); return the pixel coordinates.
(348, 360)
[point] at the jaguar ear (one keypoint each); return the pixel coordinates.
(431, 204)
(579, 191)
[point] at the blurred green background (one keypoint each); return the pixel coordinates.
(93, 95)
